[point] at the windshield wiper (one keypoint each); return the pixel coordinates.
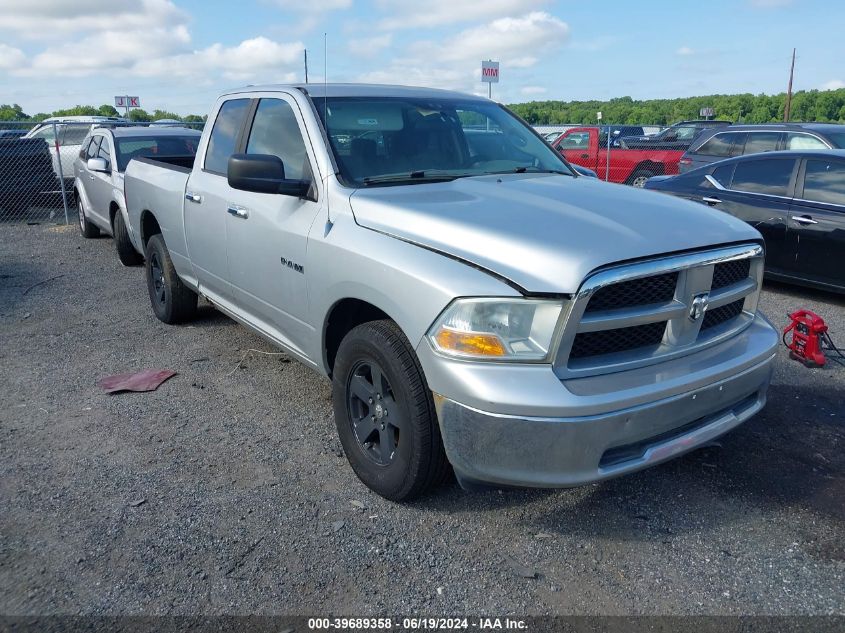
(531, 170)
(430, 175)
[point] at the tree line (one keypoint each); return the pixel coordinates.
(15, 113)
(807, 105)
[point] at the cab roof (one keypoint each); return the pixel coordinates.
(319, 90)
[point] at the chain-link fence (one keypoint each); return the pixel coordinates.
(629, 154)
(37, 166)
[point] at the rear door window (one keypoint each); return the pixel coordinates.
(758, 142)
(799, 140)
(224, 135)
(769, 176)
(718, 145)
(824, 181)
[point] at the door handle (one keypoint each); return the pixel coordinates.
(193, 197)
(91, 176)
(238, 212)
(711, 201)
(804, 219)
(585, 155)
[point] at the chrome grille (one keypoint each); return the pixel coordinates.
(730, 272)
(637, 314)
(657, 289)
(718, 316)
(619, 340)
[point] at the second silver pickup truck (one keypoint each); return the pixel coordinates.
(475, 303)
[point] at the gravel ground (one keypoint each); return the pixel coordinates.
(226, 491)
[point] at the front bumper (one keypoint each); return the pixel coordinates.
(568, 433)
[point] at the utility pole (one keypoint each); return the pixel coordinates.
(306, 65)
(788, 105)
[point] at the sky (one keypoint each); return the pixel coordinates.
(177, 55)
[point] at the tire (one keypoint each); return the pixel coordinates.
(638, 178)
(385, 414)
(126, 252)
(172, 301)
(87, 229)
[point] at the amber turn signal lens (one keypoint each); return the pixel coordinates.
(470, 343)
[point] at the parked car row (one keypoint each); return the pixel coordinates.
(718, 144)
(98, 176)
(477, 305)
(796, 199)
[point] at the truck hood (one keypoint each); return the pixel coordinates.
(543, 232)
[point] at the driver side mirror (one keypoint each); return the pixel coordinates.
(98, 164)
(263, 173)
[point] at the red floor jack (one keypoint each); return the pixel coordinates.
(809, 339)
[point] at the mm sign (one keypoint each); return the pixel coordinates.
(490, 72)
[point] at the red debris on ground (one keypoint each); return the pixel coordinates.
(146, 380)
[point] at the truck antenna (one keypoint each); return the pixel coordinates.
(329, 222)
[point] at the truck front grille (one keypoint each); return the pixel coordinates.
(729, 273)
(642, 313)
(657, 289)
(717, 316)
(618, 340)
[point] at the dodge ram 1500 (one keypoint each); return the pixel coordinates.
(476, 303)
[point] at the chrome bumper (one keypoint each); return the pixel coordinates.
(583, 445)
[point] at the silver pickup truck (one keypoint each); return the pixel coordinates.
(476, 303)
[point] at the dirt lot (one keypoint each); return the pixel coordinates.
(226, 491)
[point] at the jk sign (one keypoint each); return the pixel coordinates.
(127, 102)
(490, 72)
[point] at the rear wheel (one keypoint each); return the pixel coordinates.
(639, 177)
(85, 227)
(384, 413)
(172, 301)
(126, 252)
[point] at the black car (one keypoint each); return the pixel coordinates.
(678, 136)
(617, 132)
(796, 199)
(738, 140)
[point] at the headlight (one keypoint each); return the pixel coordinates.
(497, 329)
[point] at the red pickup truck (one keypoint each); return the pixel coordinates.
(587, 146)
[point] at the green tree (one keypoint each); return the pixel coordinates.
(164, 114)
(12, 113)
(78, 110)
(107, 110)
(137, 114)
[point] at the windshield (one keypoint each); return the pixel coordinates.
(152, 146)
(382, 140)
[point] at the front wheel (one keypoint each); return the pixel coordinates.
(172, 301)
(126, 252)
(639, 178)
(384, 413)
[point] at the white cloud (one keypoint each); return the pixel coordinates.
(259, 57)
(371, 46)
(685, 51)
(505, 39)
(455, 62)
(45, 19)
(833, 84)
(408, 14)
(533, 90)
(11, 58)
(314, 6)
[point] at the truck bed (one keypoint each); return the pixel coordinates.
(158, 185)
